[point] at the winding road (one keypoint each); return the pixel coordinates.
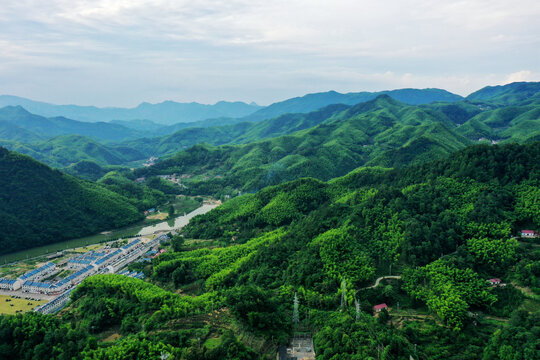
(379, 280)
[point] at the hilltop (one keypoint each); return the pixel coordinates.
(39, 205)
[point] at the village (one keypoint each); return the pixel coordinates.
(50, 283)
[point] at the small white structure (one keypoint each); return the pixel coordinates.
(528, 234)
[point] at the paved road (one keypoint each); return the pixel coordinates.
(379, 280)
(26, 295)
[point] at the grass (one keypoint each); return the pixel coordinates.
(183, 204)
(212, 343)
(10, 305)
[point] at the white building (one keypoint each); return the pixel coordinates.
(38, 273)
(36, 287)
(10, 284)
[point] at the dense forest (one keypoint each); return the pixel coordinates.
(39, 205)
(286, 140)
(225, 287)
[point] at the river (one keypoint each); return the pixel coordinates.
(134, 230)
(179, 222)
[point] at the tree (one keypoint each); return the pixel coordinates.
(177, 243)
(171, 211)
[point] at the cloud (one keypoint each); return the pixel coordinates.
(260, 50)
(523, 75)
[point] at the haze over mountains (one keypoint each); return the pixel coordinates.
(167, 112)
(399, 130)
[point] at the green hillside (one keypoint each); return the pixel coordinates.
(226, 288)
(510, 123)
(382, 131)
(514, 93)
(39, 205)
(65, 150)
(41, 127)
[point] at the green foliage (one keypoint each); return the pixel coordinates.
(341, 337)
(259, 310)
(494, 255)
(130, 348)
(40, 206)
(343, 256)
(107, 300)
(139, 195)
(36, 336)
(448, 291)
(520, 339)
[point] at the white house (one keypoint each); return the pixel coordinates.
(10, 284)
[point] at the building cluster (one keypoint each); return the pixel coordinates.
(31, 277)
(87, 264)
(82, 261)
(133, 274)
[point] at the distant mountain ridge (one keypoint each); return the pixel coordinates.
(382, 132)
(311, 102)
(514, 93)
(166, 113)
(16, 123)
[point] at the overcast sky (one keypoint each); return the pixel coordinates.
(122, 52)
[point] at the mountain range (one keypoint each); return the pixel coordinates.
(401, 133)
(170, 112)
(167, 112)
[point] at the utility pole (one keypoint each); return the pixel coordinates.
(296, 317)
(343, 294)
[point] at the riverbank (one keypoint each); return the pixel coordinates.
(140, 229)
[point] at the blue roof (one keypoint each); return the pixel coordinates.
(7, 281)
(106, 258)
(37, 284)
(36, 271)
(80, 261)
(125, 247)
(74, 276)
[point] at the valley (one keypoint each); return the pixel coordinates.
(390, 225)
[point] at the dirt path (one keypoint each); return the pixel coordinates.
(379, 280)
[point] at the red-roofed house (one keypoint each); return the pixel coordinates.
(494, 281)
(378, 308)
(528, 233)
(159, 253)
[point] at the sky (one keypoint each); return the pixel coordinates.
(123, 52)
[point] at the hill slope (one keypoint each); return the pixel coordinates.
(316, 101)
(370, 132)
(42, 127)
(513, 93)
(39, 205)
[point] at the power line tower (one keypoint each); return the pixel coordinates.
(296, 317)
(343, 294)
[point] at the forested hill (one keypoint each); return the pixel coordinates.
(311, 102)
(224, 289)
(382, 131)
(16, 123)
(518, 93)
(39, 205)
(166, 112)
